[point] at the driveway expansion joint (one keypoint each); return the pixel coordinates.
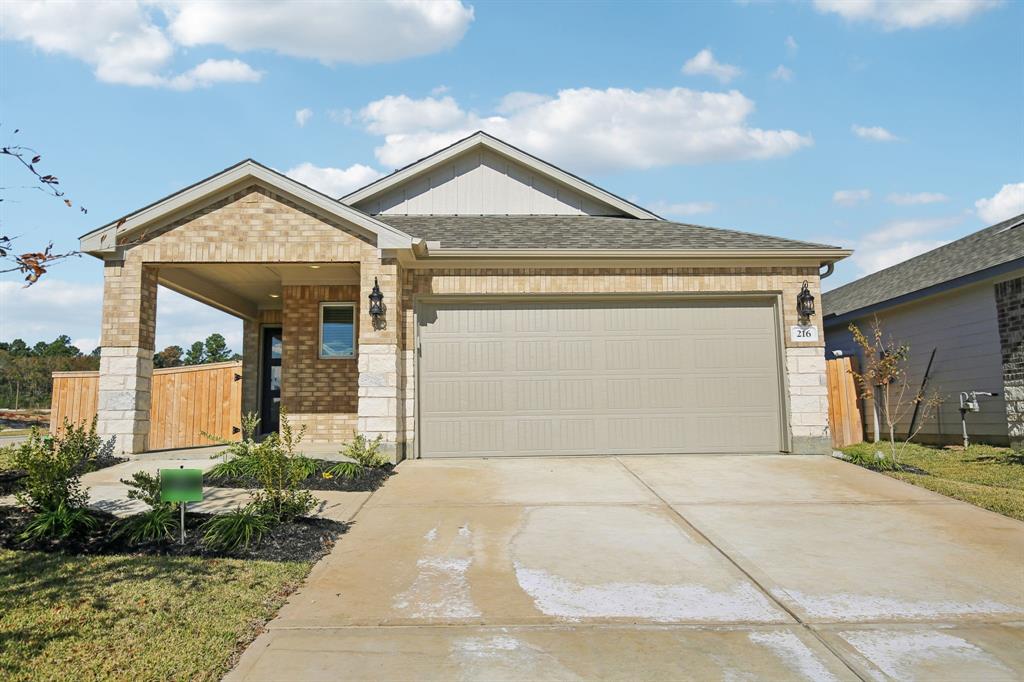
(676, 514)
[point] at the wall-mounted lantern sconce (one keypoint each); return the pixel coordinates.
(377, 307)
(805, 303)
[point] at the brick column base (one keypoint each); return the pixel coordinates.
(379, 409)
(1010, 310)
(125, 386)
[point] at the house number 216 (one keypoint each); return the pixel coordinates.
(801, 333)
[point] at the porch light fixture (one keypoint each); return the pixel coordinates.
(805, 303)
(377, 306)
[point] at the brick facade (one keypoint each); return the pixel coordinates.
(1010, 311)
(319, 393)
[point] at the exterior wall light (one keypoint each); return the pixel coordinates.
(377, 306)
(805, 303)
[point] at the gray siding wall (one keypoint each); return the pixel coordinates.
(963, 326)
(481, 182)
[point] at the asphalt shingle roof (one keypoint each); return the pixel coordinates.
(579, 232)
(1001, 243)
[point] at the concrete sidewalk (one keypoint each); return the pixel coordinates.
(661, 567)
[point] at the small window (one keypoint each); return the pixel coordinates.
(337, 330)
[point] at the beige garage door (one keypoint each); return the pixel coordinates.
(592, 377)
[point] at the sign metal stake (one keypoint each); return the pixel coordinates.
(182, 486)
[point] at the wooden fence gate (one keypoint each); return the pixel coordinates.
(186, 402)
(845, 417)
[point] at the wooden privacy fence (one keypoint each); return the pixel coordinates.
(185, 403)
(845, 417)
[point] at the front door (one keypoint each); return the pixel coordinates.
(270, 373)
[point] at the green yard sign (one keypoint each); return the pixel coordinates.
(181, 485)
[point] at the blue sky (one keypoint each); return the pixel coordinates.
(888, 127)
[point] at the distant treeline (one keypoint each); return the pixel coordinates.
(26, 371)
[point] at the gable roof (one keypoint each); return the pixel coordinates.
(103, 239)
(558, 233)
(978, 254)
(482, 139)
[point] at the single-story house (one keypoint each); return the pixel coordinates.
(478, 302)
(965, 302)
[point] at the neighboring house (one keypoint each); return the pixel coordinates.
(525, 311)
(965, 301)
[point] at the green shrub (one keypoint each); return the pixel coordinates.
(160, 521)
(236, 467)
(236, 529)
(152, 525)
(53, 465)
(145, 487)
(364, 451)
(59, 523)
(345, 469)
(871, 460)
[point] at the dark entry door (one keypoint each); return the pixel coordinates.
(270, 403)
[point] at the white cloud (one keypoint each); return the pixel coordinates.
(850, 197)
(1006, 203)
(917, 199)
(791, 46)
(331, 32)
(703, 64)
(898, 240)
(118, 39)
(48, 309)
(686, 208)
(302, 117)
(439, 90)
(126, 42)
(876, 133)
(781, 73)
(53, 307)
(898, 14)
(214, 71)
(588, 129)
(334, 182)
(401, 114)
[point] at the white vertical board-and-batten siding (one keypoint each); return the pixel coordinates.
(481, 182)
(963, 326)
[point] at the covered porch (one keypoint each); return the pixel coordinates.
(305, 352)
(297, 268)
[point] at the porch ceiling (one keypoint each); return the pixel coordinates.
(243, 289)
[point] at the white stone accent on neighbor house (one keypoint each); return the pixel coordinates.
(125, 390)
(808, 398)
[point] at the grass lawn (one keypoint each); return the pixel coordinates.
(988, 477)
(133, 617)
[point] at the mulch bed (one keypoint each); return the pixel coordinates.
(9, 477)
(368, 481)
(300, 540)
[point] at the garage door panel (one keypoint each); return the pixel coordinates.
(598, 377)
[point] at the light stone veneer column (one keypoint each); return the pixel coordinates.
(379, 411)
(808, 400)
(125, 393)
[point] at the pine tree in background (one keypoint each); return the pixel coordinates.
(196, 354)
(216, 349)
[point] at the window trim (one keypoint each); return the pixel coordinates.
(355, 330)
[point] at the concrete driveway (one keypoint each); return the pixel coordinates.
(656, 568)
